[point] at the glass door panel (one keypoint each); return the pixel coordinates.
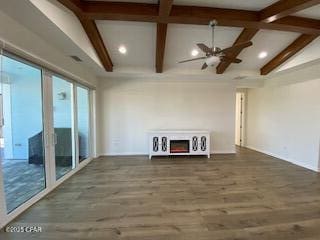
(83, 110)
(62, 91)
(21, 141)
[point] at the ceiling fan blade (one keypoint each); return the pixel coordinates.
(233, 60)
(204, 66)
(236, 47)
(204, 48)
(193, 59)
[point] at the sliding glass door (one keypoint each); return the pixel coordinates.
(62, 92)
(21, 141)
(44, 132)
(83, 111)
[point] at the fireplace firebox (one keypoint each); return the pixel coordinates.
(179, 146)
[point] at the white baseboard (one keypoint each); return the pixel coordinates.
(223, 152)
(124, 154)
(300, 164)
(147, 154)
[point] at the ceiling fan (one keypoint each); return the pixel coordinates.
(215, 54)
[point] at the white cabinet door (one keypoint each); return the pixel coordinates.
(154, 144)
(159, 145)
(164, 145)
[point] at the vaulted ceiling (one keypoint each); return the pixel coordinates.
(158, 34)
(179, 26)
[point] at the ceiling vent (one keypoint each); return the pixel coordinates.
(240, 77)
(76, 58)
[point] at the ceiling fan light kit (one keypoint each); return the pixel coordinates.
(215, 54)
(210, 61)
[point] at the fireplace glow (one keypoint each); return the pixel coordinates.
(179, 146)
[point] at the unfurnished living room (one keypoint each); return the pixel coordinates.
(160, 119)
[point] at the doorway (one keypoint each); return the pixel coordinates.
(239, 119)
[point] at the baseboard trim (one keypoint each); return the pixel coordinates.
(147, 154)
(313, 168)
(223, 152)
(124, 154)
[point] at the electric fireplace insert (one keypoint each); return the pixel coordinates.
(179, 146)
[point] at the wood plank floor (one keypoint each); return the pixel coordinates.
(240, 196)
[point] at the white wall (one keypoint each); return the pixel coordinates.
(129, 108)
(284, 121)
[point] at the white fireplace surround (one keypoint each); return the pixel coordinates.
(161, 142)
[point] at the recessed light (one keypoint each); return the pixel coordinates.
(194, 52)
(122, 50)
(262, 54)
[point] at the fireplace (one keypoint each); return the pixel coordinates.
(179, 146)
(179, 142)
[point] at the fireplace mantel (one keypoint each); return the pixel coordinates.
(179, 142)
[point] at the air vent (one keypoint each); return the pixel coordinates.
(240, 77)
(76, 58)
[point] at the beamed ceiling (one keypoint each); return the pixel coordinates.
(160, 33)
(286, 23)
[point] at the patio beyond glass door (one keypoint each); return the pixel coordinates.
(64, 146)
(21, 141)
(83, 110)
